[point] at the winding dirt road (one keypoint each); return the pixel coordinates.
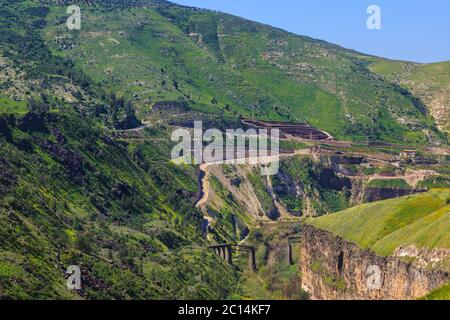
(203, 185)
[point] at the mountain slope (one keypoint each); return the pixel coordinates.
(429, 82)
(409, 226)
(73, 194)
(230, 66)
(76, 191)
(70, 195)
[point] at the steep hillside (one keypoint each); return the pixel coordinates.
(335, 268)
(72, 194)
(234, 67)
(240, 198)
(412, 227)
(405, 239)
(429, 82)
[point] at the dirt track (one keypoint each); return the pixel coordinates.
(203, 185)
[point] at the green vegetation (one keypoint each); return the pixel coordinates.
(70, 195)
(9, 106)
(319, 186)
(436, 182)
(261, 190)
(429, 82)
(275, 278)
(329, 279)
(233, 222)
(439, 294)
(221, 64)
(389, 184)
(76, 191)
(420, 220)
(293, 145)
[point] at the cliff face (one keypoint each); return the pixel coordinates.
(334, 268)
(361, 193)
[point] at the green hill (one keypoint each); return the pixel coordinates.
(230, 66)
(439, 294)
(71, 195)
(420, 220)
(73, 192)
(429, 82)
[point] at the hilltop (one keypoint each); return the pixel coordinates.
(429, 82)
(220, 64)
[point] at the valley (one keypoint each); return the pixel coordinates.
(376, 186)
(87, 178)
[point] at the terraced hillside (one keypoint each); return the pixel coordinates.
(230, 66)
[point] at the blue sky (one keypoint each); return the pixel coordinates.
(414, 30)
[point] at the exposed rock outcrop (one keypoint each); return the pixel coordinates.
(7, 177)
(334, 268)
(72, 161)
(362, 193)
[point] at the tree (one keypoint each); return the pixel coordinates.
(38, 106)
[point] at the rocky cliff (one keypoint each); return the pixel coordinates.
(363, 193)
(334, 268)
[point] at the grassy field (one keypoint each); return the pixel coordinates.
(10, 106)
(420, 220)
